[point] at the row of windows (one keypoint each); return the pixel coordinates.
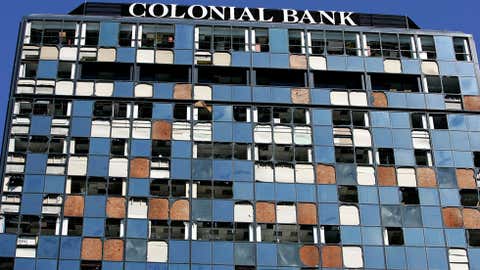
(222, 38)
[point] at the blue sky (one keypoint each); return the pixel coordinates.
(461, 15)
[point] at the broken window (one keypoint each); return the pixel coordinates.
(48, 225)
(222, 231)
(280, 77)
(179, 188)
(348, 194)
(344, 154)
(261, 43)
(118, 147)
(409, 195)
(439, 121)
(330, 234)
(222, 75)
(125, 35)
(158, 230)
(241, 113)
(462, 49)
(222, 190)
(157, 36)
(91, 34)
(419, 120)
(399, 83)
(102, 109)
(203, 114)
(241, 151)
(287, 233)
(106, 71)
(407, 46)
(97, 186)
(423, 157)
(338, 80)
(177, 230)
(296, 41)
(75, 225)
(473, 238)
(335, 42)
(373, 47)
(161, 149)
(113, 227)
(221, 38)
(65, 70)
(385, 156)
(390, 46)
(242, 231)
(393, 236)
(469, 197)
(476, 159)
(29, 225)
(222, 151)
(317, 39)
(203, 150)
(427, 47)
(28, 69)
(164, 73)
(77, 184)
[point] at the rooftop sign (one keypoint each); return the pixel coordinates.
(200, 12)
(235, 14)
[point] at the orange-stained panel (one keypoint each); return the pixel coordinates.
(139, 168)
(471, 218)
(325, 174)
(452, 217)
(162, 130)
(386, 176)
(466, 179)
(426, 177)
(113, 250)
(332, 257)
(92, 249)
(300, 96)
(309, 255)
(116, 207)
(182, 91)
(379, 99)
(180, 210)
(265, 212)
(158, 209)
(74, 206)
(307, 214)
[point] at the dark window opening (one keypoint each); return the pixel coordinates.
(161, 149)
(75, 226)
(262, 43)
(280, 77)
(331, 234)
(240, 113)
(334, 43)
(222, 231)
(97, 186)
(451, 84)
(56, 145)
(222, 75)
(268, 232)
(89, 265)
(102, 109)
(7, 263)
(115, 186)
(462, 49)
(159, 230)
(113, 227)
(157, 36)
(284, 152)
(244, 267)
(179, 188)
(282, 115)
(64, 70)
(164, 73)
(91, 34)
(394, 236)
(125, 35)
(473, 238)
(476, 159)
(204, 114)
(48, 225)
(386, 156)
(344, 154)
(222, 151)
(42, 108)
(38, 144)
(287, 233)
(21, 144)
(177, 230)
(300, 116)
(418, 120)
(159, 187)
(204, 150)
(180, 112)
(305, 234)
(302, 153)
(359, 119)
(120, 110)
(117, 147)
(241, 151)
(439, 121)
(30, 69)
(373, 47)
(341, 118)
(428, 47)
(78, 184)
(409, 195)
(204, 189)
(469, 197)
(339, 80)
(348, 194)
(145, 110)
(400, 83)
(264, 114)
(242, 232)
(295, 41)
(11, 223)
(106, 71)
(203, 230)
(265, 151)
(29, 225)
(422, 157)
(222, 190)
(362, 155)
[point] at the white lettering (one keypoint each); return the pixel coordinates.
(330, 18)
(261, 13)
(131, 9)
(232, 13)
(290, 13)
(174, 13)
(191, 12)
(307, 16)
(152, 10)
(248, 13)
(344, 19)
(218, 12)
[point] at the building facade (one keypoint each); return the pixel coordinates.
(152, 137)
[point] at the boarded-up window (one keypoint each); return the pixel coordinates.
(92, 249)
(73, 206)
(140, 168)
(265, 212)
(307, 213)
(115, 207)
(158, 209)
(452, 217)
(113, 250)
(243, 212)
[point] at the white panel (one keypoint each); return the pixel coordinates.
(64, 88)
(118, 167)
(282, 134)
(456, 255)
(137, 209)
(141, 129)
(68, 54)
(339, 98)
(358, 99)
(202, 92)
(181, 131)
(157, 251)
(202, 132)
(77, 166)
(286, 214)
(262, 134)
(362, 137)
(430, 68)
(25, 252)
(145, 56)
(164, 57)
(143, 90)
(366, 175)
(318, 62)
(106, 55)
(392, 66)
(406, 177)
(120, 129)
(302, 135)
(284, 174)
(222, 59)
(349, 215)
(48, 53)
(263, 173)
(352, 257)
(421, 139)
(103, 89)
(84, 89)
(243, 213)
(304, 173)
(100, 129)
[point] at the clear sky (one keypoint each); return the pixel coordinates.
(461, 15)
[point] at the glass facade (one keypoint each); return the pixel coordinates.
(147, 144)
